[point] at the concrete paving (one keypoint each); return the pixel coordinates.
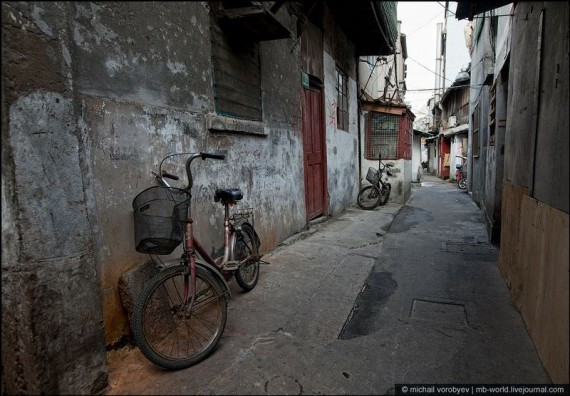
(398, 294)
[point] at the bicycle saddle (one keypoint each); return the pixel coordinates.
(228, 195)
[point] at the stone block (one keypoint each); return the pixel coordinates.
(132, 282)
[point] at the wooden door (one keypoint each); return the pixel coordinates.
(444, 158)
(314, 153)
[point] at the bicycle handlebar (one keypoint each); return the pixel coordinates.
(162, 174)
(212, 156)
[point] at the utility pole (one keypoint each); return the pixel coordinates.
(444, 48)
(438, 52)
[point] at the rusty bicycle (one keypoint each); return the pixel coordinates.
(378, 192)
(180, 315)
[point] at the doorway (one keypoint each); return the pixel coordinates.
(314, 153)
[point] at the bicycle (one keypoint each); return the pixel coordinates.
(461, 174)
(180, 315)
(378, 193)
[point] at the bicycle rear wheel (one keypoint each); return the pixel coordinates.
(368, 198)
(169, 332)
(246, 249)
(385, 193)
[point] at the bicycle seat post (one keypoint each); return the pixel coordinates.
(226, 232)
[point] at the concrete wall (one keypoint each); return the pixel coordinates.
(534, 235)
(416, 156)
(52, 333)
(481, 66)
(342, 146)
(95, 95)
(401, 179)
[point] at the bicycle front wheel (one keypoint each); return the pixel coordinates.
(462, 184)
(171, 333)
(246, 250)
(369, 197)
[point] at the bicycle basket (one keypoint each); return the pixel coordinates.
(373, 176)
(159, 214)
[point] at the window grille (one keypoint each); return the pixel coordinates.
(342, 100)
(382, 132)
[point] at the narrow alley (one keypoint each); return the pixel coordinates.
(400, 294)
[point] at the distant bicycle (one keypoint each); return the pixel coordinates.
(180, 316)
(461, 174)
(378, 193)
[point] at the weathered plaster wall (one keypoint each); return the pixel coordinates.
(342, 146)
(52, 334)
(416, 155)
(400, 180)
(481, 61)
(534, 239)
(96, 95)
(149, 97)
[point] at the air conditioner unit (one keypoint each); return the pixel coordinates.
(452, 122)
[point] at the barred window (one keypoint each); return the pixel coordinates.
(342, 100)
(382, 135)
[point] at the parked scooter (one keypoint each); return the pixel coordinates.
(461, 173)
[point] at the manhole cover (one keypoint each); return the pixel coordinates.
(439, 312)
(472, 248)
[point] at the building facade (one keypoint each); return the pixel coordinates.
(518, 156)
(96, 94)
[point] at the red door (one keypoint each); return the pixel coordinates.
(444, 158)
(314, 153)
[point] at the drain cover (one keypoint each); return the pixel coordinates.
(473, 248)
(439, 312)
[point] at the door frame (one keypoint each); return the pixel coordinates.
(315, 84)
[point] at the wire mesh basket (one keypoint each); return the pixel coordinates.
(160, 213)
(373, 175)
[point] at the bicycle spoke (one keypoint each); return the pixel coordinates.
(175, 338)
(169, 331)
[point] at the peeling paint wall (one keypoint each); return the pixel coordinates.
(342, 146)
(52, 333)
(96, 94)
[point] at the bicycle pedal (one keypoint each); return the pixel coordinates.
(231, 266)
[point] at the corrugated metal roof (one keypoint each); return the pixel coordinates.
(372, 26)
(468, 9)
(389, 19)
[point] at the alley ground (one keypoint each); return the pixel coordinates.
(370, 299)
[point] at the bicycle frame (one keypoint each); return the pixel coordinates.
(191, 245)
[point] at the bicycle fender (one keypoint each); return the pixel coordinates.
(216, 273)
(237, 225)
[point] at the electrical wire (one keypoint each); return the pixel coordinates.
(438, 14)
(447, 8)
(448, 88)
(428, 69)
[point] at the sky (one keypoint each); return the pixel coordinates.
(419, 21)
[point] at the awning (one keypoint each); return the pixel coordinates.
(424, 134)
(468, 9)
(371, 25)
(463, 128)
